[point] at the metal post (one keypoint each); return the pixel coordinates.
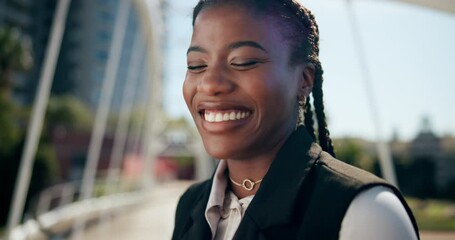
(153, 124)
(99, 127)
(38, 113)
(382, 148)
(135, 134)
(121, 130)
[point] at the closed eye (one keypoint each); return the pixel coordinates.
(246, 65)
(196, 68)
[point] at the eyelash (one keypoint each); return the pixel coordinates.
(195, 68)
(237, 65)
(245, 64)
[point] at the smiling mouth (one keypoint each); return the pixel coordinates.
(225, 115)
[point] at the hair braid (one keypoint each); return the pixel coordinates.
(307, 50)
(323, 133)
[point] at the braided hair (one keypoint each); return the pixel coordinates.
(302, 33)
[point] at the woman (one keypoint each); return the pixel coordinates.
(252, 65)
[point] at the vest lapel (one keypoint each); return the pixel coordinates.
(199, 228)
(274, 201)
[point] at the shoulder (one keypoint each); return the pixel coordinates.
(377, 213)
(377, 210)
(347, 173)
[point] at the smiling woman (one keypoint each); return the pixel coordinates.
(252, 66)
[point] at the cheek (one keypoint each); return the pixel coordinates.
(188, 89)
(275, 89)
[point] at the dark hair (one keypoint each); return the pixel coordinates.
(303, 34)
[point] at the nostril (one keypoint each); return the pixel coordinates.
(215, 85)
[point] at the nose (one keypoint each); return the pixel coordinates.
(215, 81)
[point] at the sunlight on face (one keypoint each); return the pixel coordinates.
(240, 88)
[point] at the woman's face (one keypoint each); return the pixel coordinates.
(239, 87)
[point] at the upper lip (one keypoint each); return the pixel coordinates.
(220, 105)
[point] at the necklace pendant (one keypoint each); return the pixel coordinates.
(248, 184)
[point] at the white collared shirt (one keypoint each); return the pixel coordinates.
(374, 214)
(224, 210)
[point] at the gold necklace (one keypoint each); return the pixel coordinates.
(247, 184)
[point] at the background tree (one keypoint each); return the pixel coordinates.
(10, 133)
(353, 152)
(15, 55)
(67, 111)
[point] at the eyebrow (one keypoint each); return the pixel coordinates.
(246, 44)
(231, 46)
(195, 49)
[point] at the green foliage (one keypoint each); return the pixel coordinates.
(44, 172)
(433, 215)
(46, 161)
(69, 112)
(417, 178)
(185, 161)
(351, 152)
(15, 55)
(10, 133)
(65, 111)
(15, 49)
(138, 116)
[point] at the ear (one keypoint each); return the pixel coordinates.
(306, 80)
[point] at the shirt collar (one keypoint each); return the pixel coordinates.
(216, 197)
(279, 187)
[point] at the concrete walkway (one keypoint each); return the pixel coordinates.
(437, 236)
(152, 220)
(155, 219)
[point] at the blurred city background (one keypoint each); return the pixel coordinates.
(96, 141)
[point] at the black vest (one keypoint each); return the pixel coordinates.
(304, 195)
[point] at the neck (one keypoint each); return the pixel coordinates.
(253, 169)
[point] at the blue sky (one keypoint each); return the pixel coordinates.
(409, 52)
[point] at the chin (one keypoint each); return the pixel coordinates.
(218, 149)
(217, 152)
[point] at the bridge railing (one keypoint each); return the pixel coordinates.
(60, 220)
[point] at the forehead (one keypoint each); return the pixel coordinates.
(235, 23)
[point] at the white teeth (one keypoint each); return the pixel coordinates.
(210, 117)
(219, 117)
(225, 116)
(232, 116)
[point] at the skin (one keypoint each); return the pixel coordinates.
(239, 62)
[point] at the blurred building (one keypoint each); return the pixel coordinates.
(176, 161)
(182, 155)
(426, 146)
(15, 13)
(84, 51)
(425, 165)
